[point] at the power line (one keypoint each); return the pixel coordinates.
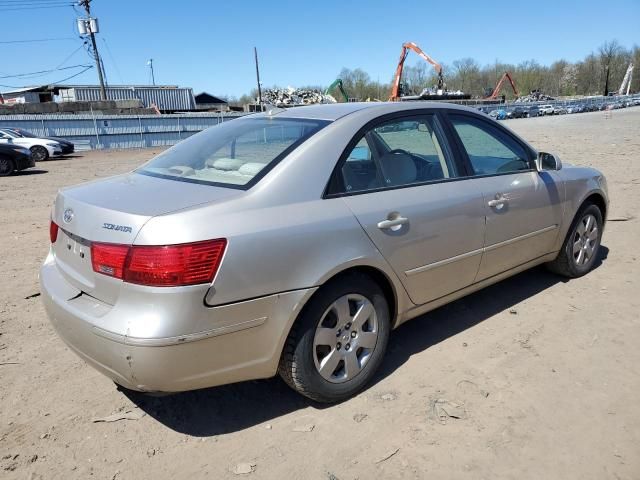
(71, 55)
(42, 71)
(33, 3)
(88, 67)
(62, 5)
(113, 60)
(26, 2)
(35, 40)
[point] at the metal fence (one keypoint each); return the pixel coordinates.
(140, 131)
(117, 131)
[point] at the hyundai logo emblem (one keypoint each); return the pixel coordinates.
(68, 215)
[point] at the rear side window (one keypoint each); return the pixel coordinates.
(235, 154)
(397, 153)
(490, 150)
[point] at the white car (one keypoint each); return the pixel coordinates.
(546, 110)
(41, 148)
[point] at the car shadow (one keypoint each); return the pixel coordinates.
(232, 408)
(24, 173)
(71, 156)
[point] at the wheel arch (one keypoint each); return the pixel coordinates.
(381, 279)
(593, 196)
(393, 290)
(596, 198)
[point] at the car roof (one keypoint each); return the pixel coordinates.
(334, 111)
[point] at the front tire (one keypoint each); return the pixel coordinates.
(580, 247)
(338, 341)
(6, 167)
(39, 153)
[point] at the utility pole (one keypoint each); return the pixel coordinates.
(255, 53)
(87, 7)
(153, 78)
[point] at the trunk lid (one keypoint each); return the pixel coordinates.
(113, 211)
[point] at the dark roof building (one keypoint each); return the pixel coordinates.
(206, 101)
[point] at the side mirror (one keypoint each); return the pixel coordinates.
(548, 161)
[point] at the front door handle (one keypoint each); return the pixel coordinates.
(499, 201)
(395, 222)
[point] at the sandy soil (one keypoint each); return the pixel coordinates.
(543, 374)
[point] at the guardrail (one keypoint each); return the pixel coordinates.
(117, 131)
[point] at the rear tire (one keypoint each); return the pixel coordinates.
(39, 153)
(338, 341)
(580, 247)
(7, 167)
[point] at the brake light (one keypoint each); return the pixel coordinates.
(174, 265)
(53, 231)
(160, 266)
(108, 258)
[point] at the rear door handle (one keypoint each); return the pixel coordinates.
(498, 201)
(396, 222)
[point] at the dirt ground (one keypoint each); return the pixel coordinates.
(533, 378)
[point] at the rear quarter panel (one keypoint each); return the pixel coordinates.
(275, 248)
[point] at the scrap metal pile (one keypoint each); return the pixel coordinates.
(289, 97)
(434, 91)
(535, 96)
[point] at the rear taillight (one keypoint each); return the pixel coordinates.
(160, 266)
(108, 258)
(53, 231)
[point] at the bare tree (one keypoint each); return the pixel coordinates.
(586, 77)
(465, 72)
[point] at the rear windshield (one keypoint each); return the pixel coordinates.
(235, 154)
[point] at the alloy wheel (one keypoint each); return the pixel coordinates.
(39, 153)
(5, 167)
(585, 240)
(345, 338)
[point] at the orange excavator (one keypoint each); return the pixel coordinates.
(395, 89)
(496, 91)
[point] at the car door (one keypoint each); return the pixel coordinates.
(401, 182)
(523, 206)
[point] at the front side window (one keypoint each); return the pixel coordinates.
(490, 150)
(232, 154)
(24, 133)
(7, 134)
(397, 153)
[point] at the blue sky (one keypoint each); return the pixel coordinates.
(208, 45)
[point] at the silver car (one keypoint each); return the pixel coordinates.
(293, 241)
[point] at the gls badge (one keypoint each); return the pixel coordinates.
(117, 228)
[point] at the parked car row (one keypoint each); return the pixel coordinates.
(504, 112)
(20, 149)
(14, 158)
(513, 112)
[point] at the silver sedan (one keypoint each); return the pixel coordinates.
(294, 241)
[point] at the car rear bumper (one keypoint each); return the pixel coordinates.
(247, 345)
